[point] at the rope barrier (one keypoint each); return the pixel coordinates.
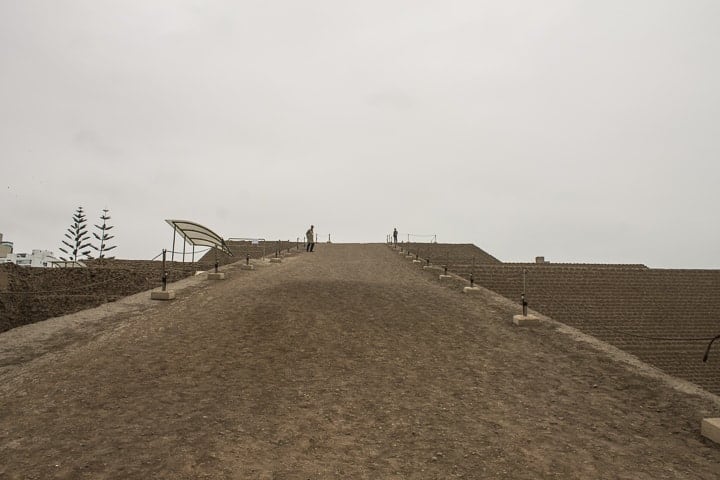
(99, 294)
(55, 291)
(180, 253)
(563, 306)
(710, 339)
(433, 237)
(51, 292)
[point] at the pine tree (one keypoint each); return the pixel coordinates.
(103, 236)
(77, 237)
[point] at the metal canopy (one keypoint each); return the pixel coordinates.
(195, 234)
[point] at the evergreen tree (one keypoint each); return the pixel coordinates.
(103, 237)
(77, 238)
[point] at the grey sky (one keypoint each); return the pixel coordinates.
(580, 130)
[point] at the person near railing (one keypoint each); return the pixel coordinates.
(310, 234)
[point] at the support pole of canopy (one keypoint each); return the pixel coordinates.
(172, 254)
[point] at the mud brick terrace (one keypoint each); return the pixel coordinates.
(359, 361)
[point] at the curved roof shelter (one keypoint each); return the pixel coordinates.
(196, 234)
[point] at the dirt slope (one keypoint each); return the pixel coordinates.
(345, 363)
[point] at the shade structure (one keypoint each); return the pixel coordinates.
(196, 234)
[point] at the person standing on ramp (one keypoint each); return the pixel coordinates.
(310, 234)
(395, 236)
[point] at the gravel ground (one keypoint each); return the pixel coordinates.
(349, 362)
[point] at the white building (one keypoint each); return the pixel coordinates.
(6, 248)
(38, 258)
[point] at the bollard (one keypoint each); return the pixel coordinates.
(524, 302)
(525, 320)
(445, 267)
(247, 265)
(163, 294)
(427, 261)
(216, 275)
(164, 273)
(472, 272)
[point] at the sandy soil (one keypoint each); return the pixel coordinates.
(349, 362)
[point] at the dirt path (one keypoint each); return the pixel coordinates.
(345, 363)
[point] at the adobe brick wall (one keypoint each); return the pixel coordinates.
(617, 303)
(456, 254)
(34, 294)
(621, 305)
(29, 295)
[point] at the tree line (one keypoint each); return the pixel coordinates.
(78, 241)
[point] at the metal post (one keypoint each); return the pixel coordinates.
(172, 255)
(247, 259)
(472, 273)
(216, 260)
(193, 254)
(427, 260)
(184, 245)
(707, 350)
(522, 297)
(164, 273)
(328, 238)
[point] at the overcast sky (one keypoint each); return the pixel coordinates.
(585, 131)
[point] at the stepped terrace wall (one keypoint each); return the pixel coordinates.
(622, 304)
(639, 310)
(241, 249)
(29, 295)
(453, 254)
